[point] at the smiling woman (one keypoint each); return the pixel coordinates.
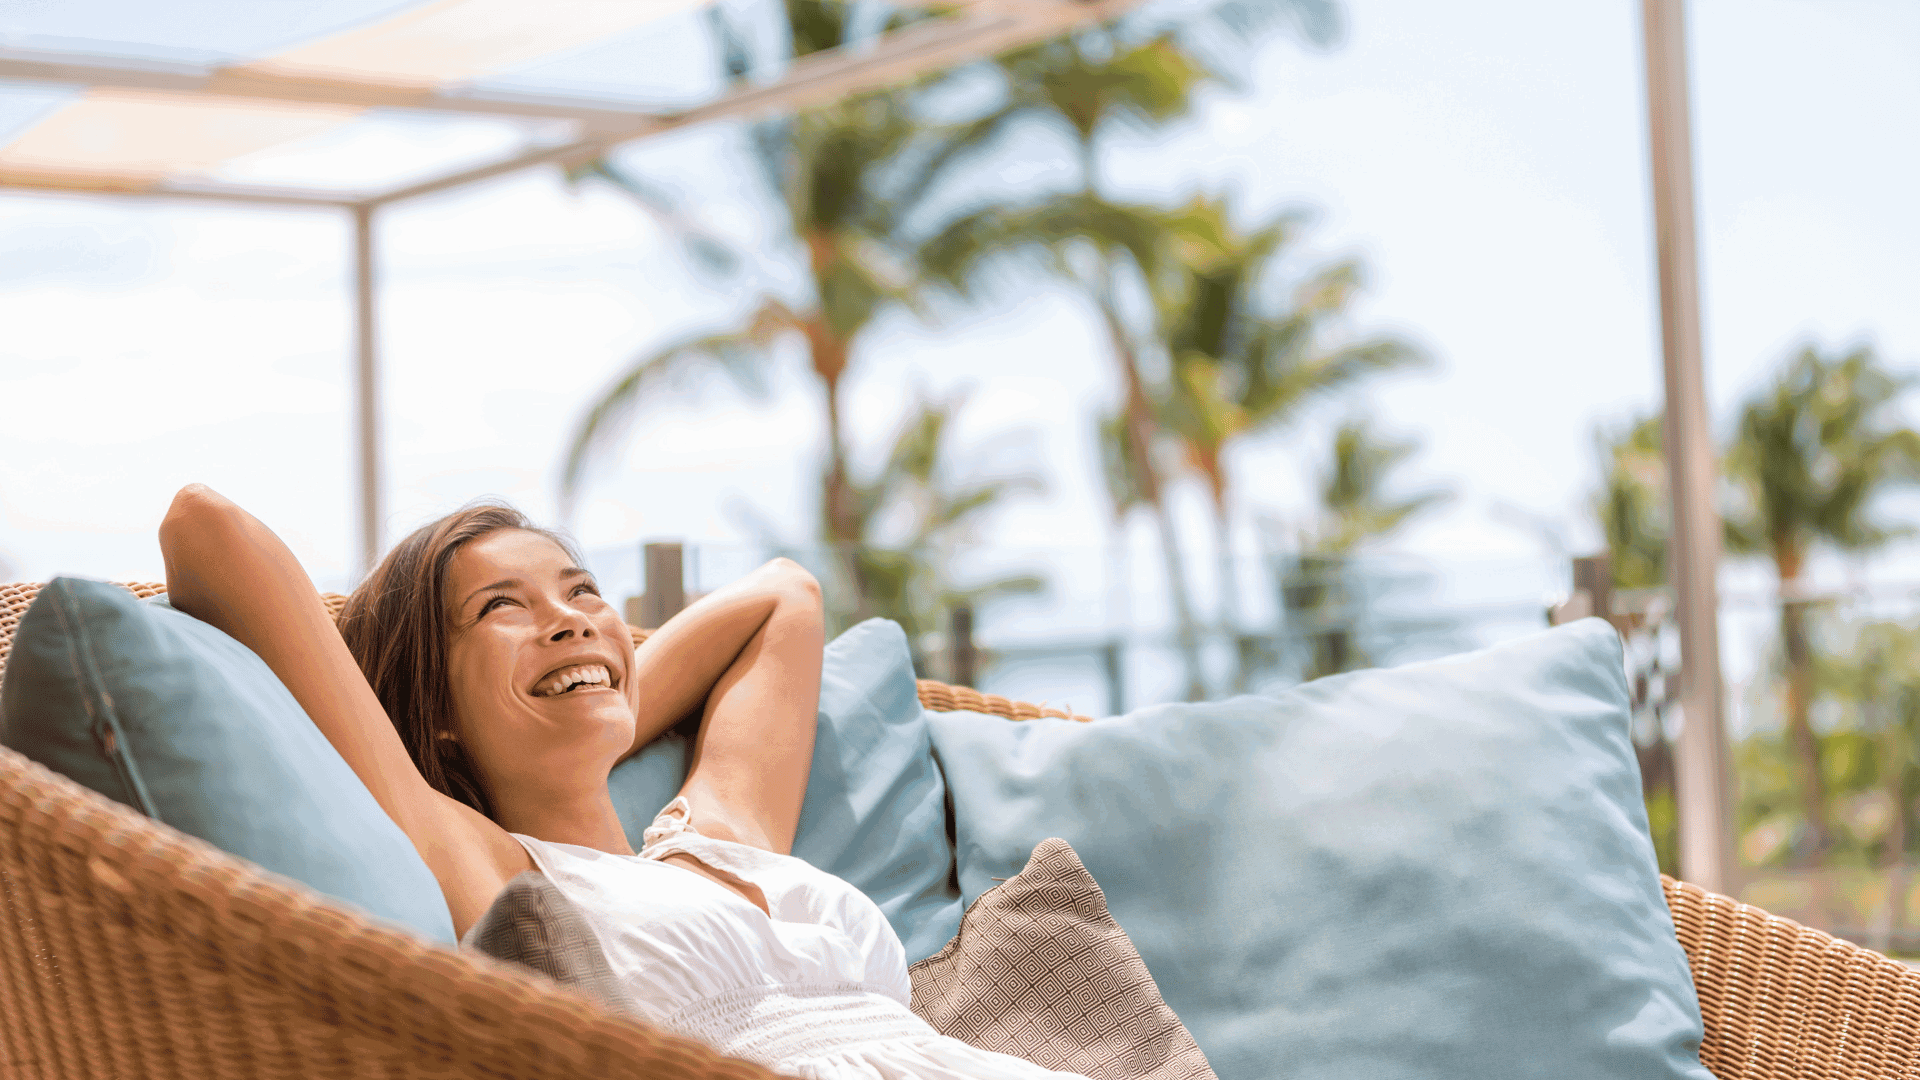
(438, 688)
(482, 689)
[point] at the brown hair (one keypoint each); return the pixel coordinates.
(396, 626)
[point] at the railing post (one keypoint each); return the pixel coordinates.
(665, 583)
(1116, 676)
(964, 659)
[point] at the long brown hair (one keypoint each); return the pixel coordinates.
(396, 624)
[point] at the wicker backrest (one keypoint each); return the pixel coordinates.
(128, 949)
(1784, 1000)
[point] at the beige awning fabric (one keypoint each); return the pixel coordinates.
(129, 138)
(148, 134)
(160, 126)
(452, 41)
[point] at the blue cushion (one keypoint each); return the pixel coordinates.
(875, 812)
(165, 713)
(1440, 870)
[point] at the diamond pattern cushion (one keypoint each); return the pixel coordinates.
(532, 924)
(1039, 970)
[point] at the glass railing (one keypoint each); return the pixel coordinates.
(1828, 844)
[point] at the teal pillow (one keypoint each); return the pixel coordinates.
(1439, 870)
(875, 812)
(160, 711)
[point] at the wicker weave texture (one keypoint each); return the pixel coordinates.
(16, 597)
(130, 950)
(1783, 1000)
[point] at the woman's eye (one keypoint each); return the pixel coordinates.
(489, 605)
(584, 588)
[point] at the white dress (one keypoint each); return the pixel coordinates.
(818, 990)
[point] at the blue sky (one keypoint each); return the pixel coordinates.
(1487, 160)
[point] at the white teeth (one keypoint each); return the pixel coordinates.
(562, 681)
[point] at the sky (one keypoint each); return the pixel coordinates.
(1487, 161)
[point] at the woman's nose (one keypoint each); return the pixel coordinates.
(578, 623)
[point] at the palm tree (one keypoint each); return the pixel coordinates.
(1355, 508)
(1880, 677)
(1087, 240)
(1140, 73)
(1244, 363)
(1631, 504)
(1321, 587)
(1091, 82)
(1812, 451)
(1632, 510)
(931, 507)
(849, 178)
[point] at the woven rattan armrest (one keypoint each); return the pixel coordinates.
(130, 950)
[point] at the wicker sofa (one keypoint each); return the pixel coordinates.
(129, 950)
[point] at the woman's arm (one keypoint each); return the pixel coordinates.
(226, 568)
(751, 652)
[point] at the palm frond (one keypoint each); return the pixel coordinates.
(709, 252)
(739, 352)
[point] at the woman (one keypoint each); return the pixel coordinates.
(500, 688)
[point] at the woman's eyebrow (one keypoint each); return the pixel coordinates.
(573, 572)
(507, 583)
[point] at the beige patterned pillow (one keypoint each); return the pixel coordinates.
(533, 924)
(1039, 970)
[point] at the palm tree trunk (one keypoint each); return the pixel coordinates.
(1243, 660)
(1806, 746)
(1887, 920)
(839, 516)
(1138, 412)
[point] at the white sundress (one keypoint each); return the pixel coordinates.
(818, 990)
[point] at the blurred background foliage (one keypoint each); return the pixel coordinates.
(1827, 776)
(1219, 329)
(885, 206)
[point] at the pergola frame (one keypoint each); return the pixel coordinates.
(977, 28)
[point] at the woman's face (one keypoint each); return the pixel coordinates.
(540, 665)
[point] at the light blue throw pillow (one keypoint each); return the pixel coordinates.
(1436, 871)
(875, 812)
(167, 714)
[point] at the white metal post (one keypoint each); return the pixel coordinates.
(366, 388)
(1700, 759)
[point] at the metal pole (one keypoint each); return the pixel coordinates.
(1110, 663)
(1694, 554)
(666, 584)
(366, 387)
(963, 665)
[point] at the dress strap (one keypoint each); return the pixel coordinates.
(672, 820)
(673, 833)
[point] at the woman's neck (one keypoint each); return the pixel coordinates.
(584, 817)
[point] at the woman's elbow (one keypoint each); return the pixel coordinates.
(792, 582)
(195, 509)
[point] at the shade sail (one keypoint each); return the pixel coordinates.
(160, 117)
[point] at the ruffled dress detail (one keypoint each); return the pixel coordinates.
(815, 987)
